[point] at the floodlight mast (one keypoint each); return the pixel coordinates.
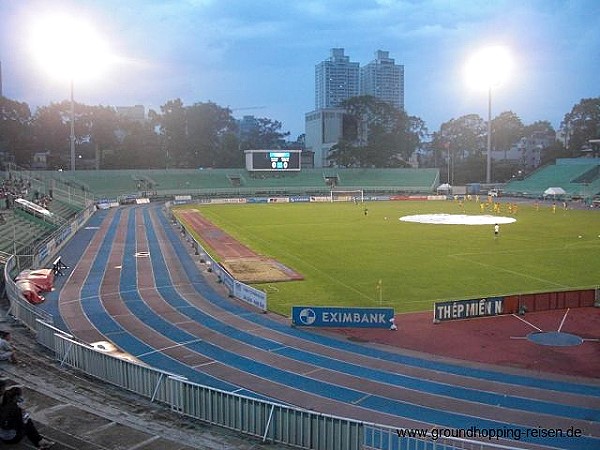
(488, 68)
(488, 167)
(85, 56)
(72, 137)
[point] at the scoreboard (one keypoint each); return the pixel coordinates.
(273, 160)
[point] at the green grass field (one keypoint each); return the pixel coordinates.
(343, 254)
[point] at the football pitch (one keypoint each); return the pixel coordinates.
(349, 258)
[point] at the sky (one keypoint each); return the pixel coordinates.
(258, 57)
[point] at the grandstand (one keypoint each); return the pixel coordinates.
(580, 178)
(220, 182)
(21, 230)
(17, 231)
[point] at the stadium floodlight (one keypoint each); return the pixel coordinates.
(487, 69)
(68, 48)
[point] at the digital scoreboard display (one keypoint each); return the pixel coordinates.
(273, 160)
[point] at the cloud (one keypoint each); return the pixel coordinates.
(242, 53)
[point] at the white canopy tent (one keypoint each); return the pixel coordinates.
(554, 191)
(444, 188)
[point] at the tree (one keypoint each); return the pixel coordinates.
(375, 134)
(554, 151)
(99, 128)
(582, 124)
(207, 123)
(458, 140)
(461, 137)
(507, 129)
(230, 154)
(192, 136)
(540, 126)
(51, 131)
(344, 154)
(15, 122)
(95, 129)
(139, 147)
(265, 134)
(172, 124)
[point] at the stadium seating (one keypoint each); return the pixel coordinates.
(578, 177)
(63, 209)
(239, 181)
(18, 231)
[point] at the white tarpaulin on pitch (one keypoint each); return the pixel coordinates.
(555, 191)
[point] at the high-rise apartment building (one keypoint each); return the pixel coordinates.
(336, 80)
(384, 79)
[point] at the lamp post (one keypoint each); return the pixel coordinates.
(488, 68)
(84, 58)
(72, 137)
(488, 167)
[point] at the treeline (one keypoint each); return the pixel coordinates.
(199, 135)
(205, 134)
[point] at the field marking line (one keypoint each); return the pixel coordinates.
(205, 364)
(512, 272)
(528, 323)
(160, 350)
(310, 372)
(360, 400)
(562, 322)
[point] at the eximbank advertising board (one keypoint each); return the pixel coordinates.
(320, 316)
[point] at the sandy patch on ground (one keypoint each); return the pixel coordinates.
(259, 270)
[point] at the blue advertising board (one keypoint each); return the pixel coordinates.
(319, 316)
(465, 309)
(300, 199)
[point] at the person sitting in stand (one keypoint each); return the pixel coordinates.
(15, 423)
(7, 352)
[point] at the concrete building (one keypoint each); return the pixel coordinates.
(324, 128)
(527, 152)
(336, 80)
(247, 126)
(137, 112)
(384, 79)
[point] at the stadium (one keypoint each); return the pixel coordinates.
(180, 286)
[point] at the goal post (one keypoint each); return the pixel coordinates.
(356, 195)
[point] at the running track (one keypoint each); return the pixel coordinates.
(136, 284)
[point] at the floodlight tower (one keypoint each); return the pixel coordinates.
(488, 68)
(69, 48)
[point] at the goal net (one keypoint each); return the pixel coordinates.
(356, 196)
